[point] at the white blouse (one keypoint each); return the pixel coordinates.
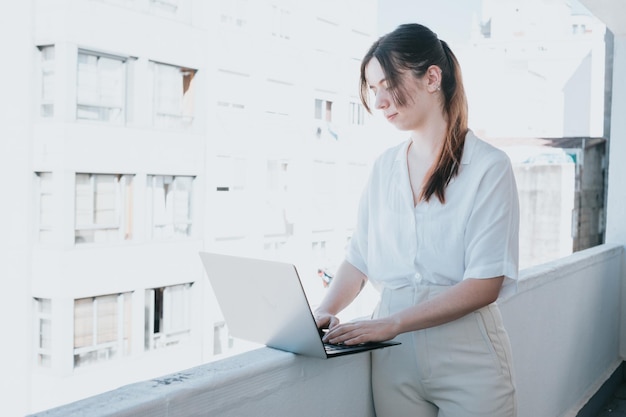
(475, 234)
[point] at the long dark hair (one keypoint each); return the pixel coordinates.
(414, 47)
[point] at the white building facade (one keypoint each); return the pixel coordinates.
(141, 132)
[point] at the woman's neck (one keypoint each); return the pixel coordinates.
(427, 143)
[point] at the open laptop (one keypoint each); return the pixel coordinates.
(264, 302)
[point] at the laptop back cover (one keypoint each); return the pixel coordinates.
(264, 302)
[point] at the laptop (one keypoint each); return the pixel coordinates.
(264, 302)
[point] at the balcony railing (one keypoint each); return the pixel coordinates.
(564, 322)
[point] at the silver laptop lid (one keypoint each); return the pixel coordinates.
(264, 302)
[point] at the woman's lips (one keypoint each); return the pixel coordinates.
(390, 117)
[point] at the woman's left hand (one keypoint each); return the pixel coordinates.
(356, 332)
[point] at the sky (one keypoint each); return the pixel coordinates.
(447, 18)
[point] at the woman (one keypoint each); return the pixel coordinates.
(437, 234)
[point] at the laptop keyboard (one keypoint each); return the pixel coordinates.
(330, 347)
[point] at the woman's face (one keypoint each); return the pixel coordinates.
(420, 104)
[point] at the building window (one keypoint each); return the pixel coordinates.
(323, 115)
(281, 22)
(100, 88)
(234, 13)
(323, 110)
(318, 248)
(168, 316)
(227, 105)
(45, 206)
(104, 208)
(170, 205)
(47, 81)
(357, 113)
(102, 328)
(173, 96)
(579, 29)
(43, 317)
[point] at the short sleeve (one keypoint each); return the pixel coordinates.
(492, 232)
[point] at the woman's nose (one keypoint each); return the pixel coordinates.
(381, 101)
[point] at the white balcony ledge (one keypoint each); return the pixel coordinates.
(260, 382)
(564, 323)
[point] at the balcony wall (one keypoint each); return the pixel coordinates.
(564, 325)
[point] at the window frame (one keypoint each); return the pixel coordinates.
(324, 112)
(280, 22)
(47, 191)
(47, 72)
(180, 115)
(356, 113)
(124, 189)
(172, 221)
(43, 313)
(97, 352)
(233, 14)
(168, 334)
(98, 104)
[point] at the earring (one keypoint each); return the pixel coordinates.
(438, 87)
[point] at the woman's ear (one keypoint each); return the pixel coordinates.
(433, 78)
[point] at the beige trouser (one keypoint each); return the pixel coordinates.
(459, 369)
